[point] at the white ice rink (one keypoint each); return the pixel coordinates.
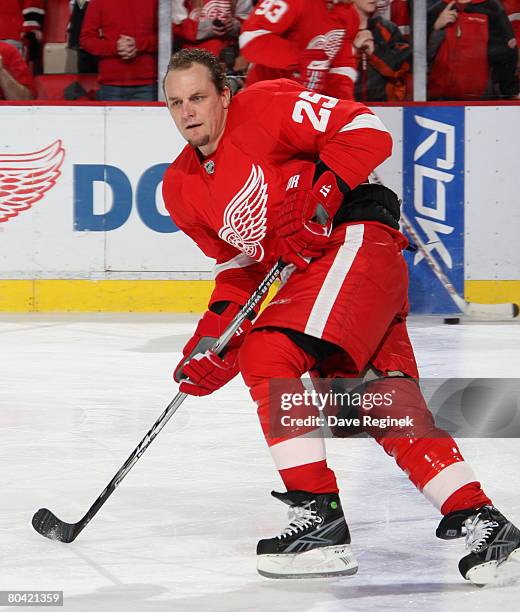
(179, 534)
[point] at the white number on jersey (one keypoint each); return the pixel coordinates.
(305, 106)
(272, 9)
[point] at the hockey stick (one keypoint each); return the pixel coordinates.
(49, 525)
(488, 312)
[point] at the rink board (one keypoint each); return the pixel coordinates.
(100, 238)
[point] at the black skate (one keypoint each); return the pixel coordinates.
(493, 542)
(316, 542)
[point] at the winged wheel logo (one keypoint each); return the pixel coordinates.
(26, 177)
(245, 217)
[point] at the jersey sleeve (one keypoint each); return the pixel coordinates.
(33, 12)
(343, 71)
(90, 39)
(236, 274)
(17, 67)
(347, 136)
(262, 38)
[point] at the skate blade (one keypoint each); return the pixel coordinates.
(496, 574)
(317, 563)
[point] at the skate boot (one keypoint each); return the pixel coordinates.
(492, 541)
(316, 542)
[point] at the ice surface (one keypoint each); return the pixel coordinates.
(79, 392)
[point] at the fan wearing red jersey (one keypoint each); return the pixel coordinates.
(247, 188)
(306, 40)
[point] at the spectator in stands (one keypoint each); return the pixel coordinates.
(123, 35)
(87, 63)
(207, 24)
(16, 82)
(21, 23)
(214, 26)
(306, 40)
(383, 56)
(472, 51)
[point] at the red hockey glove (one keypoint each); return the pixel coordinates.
(313, 69)
(201, 371)
(304, 223)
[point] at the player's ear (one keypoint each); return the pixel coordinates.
(226, 97)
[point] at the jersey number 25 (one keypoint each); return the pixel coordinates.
(317, 115)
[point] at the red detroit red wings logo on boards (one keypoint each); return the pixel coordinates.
(26, 177)
(245, 217)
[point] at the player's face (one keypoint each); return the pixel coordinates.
(198, 109)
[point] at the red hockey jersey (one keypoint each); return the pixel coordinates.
(19, 16)
(277, 32)
(226, 203)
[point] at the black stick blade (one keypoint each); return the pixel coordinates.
(50, 526)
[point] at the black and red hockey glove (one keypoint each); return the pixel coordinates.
(304, 222)
(201, 371)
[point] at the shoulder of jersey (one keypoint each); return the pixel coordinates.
(259, 94)
(258, 98)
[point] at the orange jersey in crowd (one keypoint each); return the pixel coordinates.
(278, 33)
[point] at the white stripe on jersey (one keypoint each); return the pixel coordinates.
(334, 281)
(447, 481)
(247, 37)
(240, 261)
(364, 121)
(351, 73)
(297, 451)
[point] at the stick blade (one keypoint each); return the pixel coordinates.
(50, 526)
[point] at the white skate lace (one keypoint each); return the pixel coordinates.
(477, 532)
(303, 517)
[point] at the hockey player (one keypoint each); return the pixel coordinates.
(306, 40)
(247, 189)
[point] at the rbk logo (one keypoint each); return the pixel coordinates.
(26, 177)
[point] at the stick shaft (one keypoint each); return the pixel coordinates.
(173, 406)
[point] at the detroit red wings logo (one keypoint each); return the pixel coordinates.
(26, 177)
(245, 217)
(214, 9)
(330, 43)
